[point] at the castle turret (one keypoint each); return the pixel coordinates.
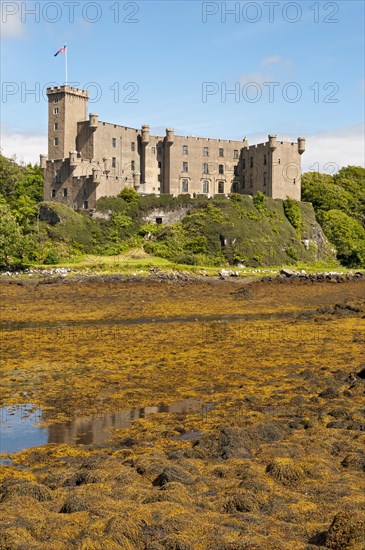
(301, 145)
(170, 136)
(43, 161)
(272, 142)
(106, 161)
(73, 159)
(96, 174)
(136, 180)
(93, 120)
(145, 134)
(145, 139)
(168, 142)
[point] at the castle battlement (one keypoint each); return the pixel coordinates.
(69, 90)
(88, 158)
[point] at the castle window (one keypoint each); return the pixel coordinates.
(58, 176)
(114, 162)
(185, 150)
(265, 160)
(205, 168)
(235, 154)
(85, 191)
(85, 205)
(159, 221)
(235, 170)
(221, 169)
(114, 142)
(159, 164)
(56, 99)
(221, 187)
(185, 167)
(184, 186)
(133, 165)
(56, 141)
(243, 181)
(53, 193)
(279, 161)
(55, 111)
(265, 178)
(251, 181)
(64, 191)
(251, 162)
(206, 152)
(221, 152)
(153, 150)
(205, 186)
(56, 125)
(133, 146)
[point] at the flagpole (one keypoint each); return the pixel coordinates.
(66, 64)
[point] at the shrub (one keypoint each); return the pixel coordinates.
(198, 245)
(51, 258)
(129, 195)
(111, 204)
(293, 214)
(187, 259)
(259, 201)
(292, 253)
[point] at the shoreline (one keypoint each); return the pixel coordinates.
(67, 275)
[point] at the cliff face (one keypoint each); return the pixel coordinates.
(237, 230)
(240, 230)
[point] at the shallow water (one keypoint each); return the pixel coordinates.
(19, 427)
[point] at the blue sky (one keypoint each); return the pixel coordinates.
(167, 52)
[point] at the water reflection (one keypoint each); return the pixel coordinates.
(19, 430)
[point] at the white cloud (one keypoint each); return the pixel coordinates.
(11, 25)
(278, 60)
(342, 146)
(270, 69)
(26, 146)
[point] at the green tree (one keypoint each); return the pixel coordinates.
(352, 180)
(25, 210)
(353, 173)
(11, 237)
(327, 196)
(347, 235)
(10, 174)
(339, 204)
(130, 195)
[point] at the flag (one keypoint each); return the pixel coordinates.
(61, 50)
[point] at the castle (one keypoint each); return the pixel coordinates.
(88, 159)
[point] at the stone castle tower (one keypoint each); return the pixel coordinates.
(88, 159)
